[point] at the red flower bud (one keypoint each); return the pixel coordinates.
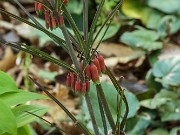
(47, 17)
(36, 6)
(61, 20)
(88, 71)
(83, 88)
(72, 75)
(101, 62)
(50, 25)
(81, 65)
(96, 62)
(68, 81)
(54, 23)
(88, 85)
(94, 74)
(65, 1)
(73, 84)
(77, 86)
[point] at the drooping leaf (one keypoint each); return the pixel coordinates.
(167, 6)
(167, 71)
(14, 98)
(142, 39)
(7, 120)
(23, 118)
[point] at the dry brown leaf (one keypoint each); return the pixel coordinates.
(8, 61)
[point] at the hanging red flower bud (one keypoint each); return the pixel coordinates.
(61, 20)
(68, 81)
(73, 84)
(47, 17)
(40, 7)
(94, 74)
(88, 71)
(101, 62)
(72, 75)
(36, 6)
(83, 88)
(87, 85)
(96, 62)
(65, 2)
(54, 24)
(77, 86)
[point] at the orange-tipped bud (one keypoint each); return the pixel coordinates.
(68, 81)
(83, 88)
(101, 62)
(65, 2)
(96, 62)
(94, 74)
(61, 20)
(77, 86)
(88, 71)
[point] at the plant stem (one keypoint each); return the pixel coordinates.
(102, 114)
(79, 124)
(91, 112)
(70, 47)
(120, 91)
(106, 107)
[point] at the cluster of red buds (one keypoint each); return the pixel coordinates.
(52, 20)
(92, 71)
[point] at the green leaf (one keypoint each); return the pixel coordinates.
(23, 130)
(159, 131)
(14, 98)
(142, 39)
(169, 24)
(167, 71)
(7, 120)
(113, 29)
(138, 10)
(175, 131)
(24, 118)
(75, 7)
(170, 111)
(159, 99)
(40, 54)
(7, 82)
(140, 124)
(111, 94)
(167, 6)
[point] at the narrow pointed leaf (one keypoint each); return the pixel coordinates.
(40, 54)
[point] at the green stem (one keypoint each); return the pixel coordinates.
(91, 112)
(106, 107)
(102, 114)
(70, 47)
(120, 91)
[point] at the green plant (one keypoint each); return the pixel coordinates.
(55, 11)
(14, 119)
(159, 112)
